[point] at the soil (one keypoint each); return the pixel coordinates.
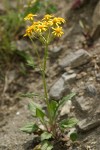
(14, 80)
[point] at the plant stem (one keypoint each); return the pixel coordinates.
(43, 69)
(43, 74)
(44, 82)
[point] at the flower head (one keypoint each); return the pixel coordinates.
(29, 17)
(46, 27)
(47, 17)
(41, 27)
(48, 23)
(58, 20)
(29, 31)
(57, 31)
(61, 20)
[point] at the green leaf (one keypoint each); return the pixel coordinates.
(36, 7)
(68, 123)
(52, 108)
(51, 9)
(62, 102)
(46, 145)
(29, 128)
(30, 62)
(27, 57)
(30, 95)
(45, 136)
(40, 114)
(33, 106)
(66, 98)
(73, 136)
(50, 147)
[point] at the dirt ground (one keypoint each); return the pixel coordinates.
(13, 110)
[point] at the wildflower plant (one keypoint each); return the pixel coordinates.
(45, 30)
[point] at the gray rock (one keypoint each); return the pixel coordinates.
(86, 125)
(65, 110)
(75, 59)
(11, 76)
(98, 77)
(69, 70)
(21, 45)
(83, 104)
(55, 51)
(69, 78)
(58, 89)
(97, 113)
(90, 90)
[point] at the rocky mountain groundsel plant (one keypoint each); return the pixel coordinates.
(45, 31)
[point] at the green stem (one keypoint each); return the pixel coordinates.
(43, 70)
(44, 82)
(45, 56)
(43, 74)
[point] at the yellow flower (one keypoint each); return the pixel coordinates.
(29, 31)
(29, 17)
(36, 23)
(58, 20)
(41, 27)
(47, 17)
(61, 20)
(48, 23)
(58, 31)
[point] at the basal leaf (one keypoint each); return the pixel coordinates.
(45, 136)
(68, 123)
(46, 145)
(66, 98)
(73, 136)
(40, 114)
(33, 106)
(62, 102)
(29, 128)
(50, 147)
(52, 108)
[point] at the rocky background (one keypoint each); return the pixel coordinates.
(73, 66)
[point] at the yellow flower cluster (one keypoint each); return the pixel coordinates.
(29, 17)
(48, 23)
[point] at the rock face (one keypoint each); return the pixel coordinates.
(69, 78)
(55, 51)
(86, 125)
(22, 45)
(83, 104)
(61, 87)
(65, 110)
(58, 89)
(75, 59)
(90, 90)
